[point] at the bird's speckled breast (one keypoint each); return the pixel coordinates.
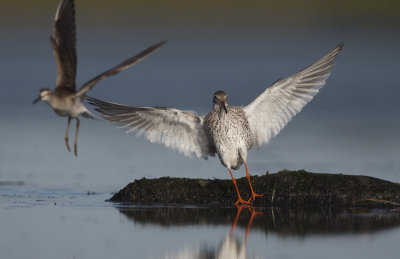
(229, 133)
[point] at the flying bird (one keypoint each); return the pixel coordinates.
(65, 100)
(229, 131)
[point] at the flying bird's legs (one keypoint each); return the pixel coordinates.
(253, 194)
(66, 134)
(240, 200)
(76, 137)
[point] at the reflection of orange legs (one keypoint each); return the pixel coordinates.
(253, 194)
(253, 214)
(239, 210)
(240, 200)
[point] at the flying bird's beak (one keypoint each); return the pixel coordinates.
(36, 100)
(224, 106)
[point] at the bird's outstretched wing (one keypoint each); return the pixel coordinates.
(63, 42)
(273, 109)
(176, 129)
(115, 70)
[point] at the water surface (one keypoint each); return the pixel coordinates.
(50, 223)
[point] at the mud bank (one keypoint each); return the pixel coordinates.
(282, 189)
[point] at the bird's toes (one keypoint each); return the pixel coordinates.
(240, 201)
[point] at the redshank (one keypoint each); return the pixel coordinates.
(65, 100)
(229, 131)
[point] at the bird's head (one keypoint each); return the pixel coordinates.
(44, 95)
(219, 100)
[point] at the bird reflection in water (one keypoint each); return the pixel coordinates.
(280, 222)
(230, 247)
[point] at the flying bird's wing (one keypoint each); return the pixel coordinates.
(63, 42)
(115, 70)
(274, 108)
(176, 129)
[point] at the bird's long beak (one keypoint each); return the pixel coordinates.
(224, 106)
(36, 100)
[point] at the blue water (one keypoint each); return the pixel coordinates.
(49, 223)
(351, 126)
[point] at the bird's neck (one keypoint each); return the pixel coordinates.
(218, 108)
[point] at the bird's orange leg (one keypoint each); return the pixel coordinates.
(253, 194)
(240, 200)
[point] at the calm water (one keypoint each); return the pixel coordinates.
(48, 223)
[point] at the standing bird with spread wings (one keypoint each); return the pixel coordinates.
(229, 131)
(65, 100)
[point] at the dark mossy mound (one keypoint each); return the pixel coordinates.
(285, 188)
